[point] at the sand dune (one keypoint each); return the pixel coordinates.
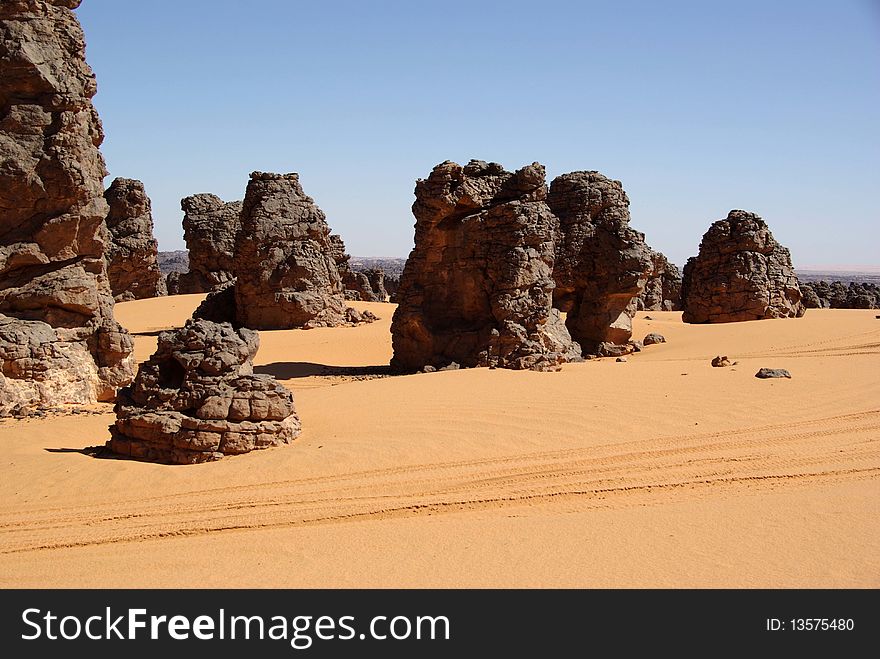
(661, 471)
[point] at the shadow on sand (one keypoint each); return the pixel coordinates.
(100, 452)
(292, 370)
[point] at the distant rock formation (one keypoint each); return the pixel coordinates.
(366, 285)
(210, 226)
(197, 400)
(59, 342)
(837, 295)
(477, 288)
(663, 288)
(601, 263)
(741, 273)
(132, 256)
(175, 261)
(285, 260)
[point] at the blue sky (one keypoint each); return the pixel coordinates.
(697, 107)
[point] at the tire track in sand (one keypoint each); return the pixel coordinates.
(637, 472)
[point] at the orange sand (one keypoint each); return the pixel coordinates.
(660, 472)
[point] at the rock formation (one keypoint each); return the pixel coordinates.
(59, 342)
(210, 226)
(477, 288)
(837, 295)
(741, 273)
(601, 263)
(663, 288)
(285, 260)
(197, 399)
(132, 256)
(366, 285)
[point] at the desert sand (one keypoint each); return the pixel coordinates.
(658, 472)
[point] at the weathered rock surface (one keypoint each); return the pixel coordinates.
(54, 293)
(601, 263)
(663, 289)
(837, 295)
(132, 256)
(477, 288)
(720, 361)
(197, 399)
(210, 226)
(652, 338)
(766, 373)
(285, 260)
(741, 273)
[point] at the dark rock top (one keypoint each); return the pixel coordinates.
(197, 399)
(52, 231)
(741, 273)
(132, 256)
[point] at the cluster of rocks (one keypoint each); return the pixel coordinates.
(497, 256)
(837, 295)
(132, 253)
(663, 289)
(741, 273)
(59, 342)
(367, 285)
(210, 226)
(197, 399)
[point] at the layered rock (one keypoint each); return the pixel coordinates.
(210, 226)
(663, 288)
(132, 256)
(477, 288)
(741, 273)
(285, 260)
(837, 295)
(56, 306)
(197, 399)
(601, 263)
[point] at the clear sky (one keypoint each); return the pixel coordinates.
(697, 107)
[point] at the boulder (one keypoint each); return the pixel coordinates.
(477, 288)
(197, 399)
(601, 263)
(741, 273)
(210, 226)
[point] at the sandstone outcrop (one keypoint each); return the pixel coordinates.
(741, 273)
(197, 399)
(210, 226)
(601, 265)
(837, 295)
(477, 288)
(285, 260)
(132, 255)
(663, 288)
(60, 342)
